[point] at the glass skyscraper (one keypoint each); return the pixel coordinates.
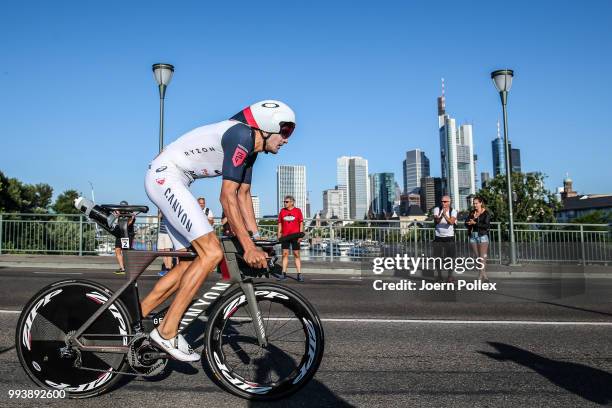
(456, 158)
(382, 192)
(416, 166)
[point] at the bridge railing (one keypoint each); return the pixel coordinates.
(340, 240)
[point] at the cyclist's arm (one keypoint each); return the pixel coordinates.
(246, 207)
(233, 211)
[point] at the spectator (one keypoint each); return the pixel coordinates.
(445, 219)
(478, 224)
(164, 243)
(207, 211)
(119, 247)
(290, 221)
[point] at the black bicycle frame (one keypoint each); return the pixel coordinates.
(136, 262)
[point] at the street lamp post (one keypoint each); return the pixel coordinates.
(503, 81)
(163, 75)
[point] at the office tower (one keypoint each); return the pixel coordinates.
(291, 180)
(333, 203)
(497, 149)
(431, 193)
(416, 165)
(382, 193)
(352, 177)
(515, 160)
(307, 213)
(484, 178)
(456, 157)
(256, 206)
(465, 166)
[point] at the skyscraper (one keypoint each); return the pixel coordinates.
(456, 157)
(484, 178)
(431, 192)
(515, 160)
(256, 206)
(416, 165)
(497, 149)
(333, 203)
(382, 193)
(291, 180)
(499, 159)
(352, 176)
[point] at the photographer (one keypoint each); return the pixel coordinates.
(478, 224)
(445, 218)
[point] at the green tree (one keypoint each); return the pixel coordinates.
(18, 197)
(595, 217)
(533, 203)
(64, 204)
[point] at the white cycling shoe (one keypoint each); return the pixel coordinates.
(177, 347)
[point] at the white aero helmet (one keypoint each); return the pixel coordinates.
(270, 116)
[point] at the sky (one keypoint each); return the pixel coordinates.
(79, 103)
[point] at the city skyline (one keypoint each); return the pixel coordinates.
(97, 121)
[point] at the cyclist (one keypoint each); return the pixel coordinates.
(228, 149)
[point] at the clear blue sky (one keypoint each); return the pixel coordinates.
(79, 102)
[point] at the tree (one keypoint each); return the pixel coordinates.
(64, 204)
(18, 197)
(533, 203)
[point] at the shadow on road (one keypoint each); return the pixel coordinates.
(589, 383)
(315, 394)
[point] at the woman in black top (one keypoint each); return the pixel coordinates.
(478, 224)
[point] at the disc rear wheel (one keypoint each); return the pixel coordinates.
(57, 311)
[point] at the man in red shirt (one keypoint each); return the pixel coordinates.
(290, 221)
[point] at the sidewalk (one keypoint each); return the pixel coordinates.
(109, 263)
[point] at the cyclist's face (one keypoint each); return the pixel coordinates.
(275, 142)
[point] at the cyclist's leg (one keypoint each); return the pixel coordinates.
(169, 283)
(210, 254)
(168, 188)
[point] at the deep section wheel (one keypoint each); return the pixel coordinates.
(293, 354)
(58, 310)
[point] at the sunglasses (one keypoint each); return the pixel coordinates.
(286, 129)
(287, 202)
(446, 201)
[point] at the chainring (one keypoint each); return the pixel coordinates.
(139, 345)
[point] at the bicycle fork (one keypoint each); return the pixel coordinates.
(253, 308)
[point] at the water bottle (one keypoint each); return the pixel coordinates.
(101, 216)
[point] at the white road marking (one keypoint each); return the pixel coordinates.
(60, 273)
(434, 321)
(441, 321)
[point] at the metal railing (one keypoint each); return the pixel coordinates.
(333, 240)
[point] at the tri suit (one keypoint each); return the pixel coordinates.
(219, 149)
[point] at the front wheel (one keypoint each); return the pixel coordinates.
(291, 358)
(58, 310)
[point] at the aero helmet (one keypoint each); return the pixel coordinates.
(270, 116)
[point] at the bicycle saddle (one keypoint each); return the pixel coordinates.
(125, 208)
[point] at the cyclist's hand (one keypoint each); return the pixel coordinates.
(255, 257)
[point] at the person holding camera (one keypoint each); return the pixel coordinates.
(478, 224)
(445, 219)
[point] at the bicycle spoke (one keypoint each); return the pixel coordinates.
(283, 325)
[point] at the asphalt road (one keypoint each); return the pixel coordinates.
(530, 343)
